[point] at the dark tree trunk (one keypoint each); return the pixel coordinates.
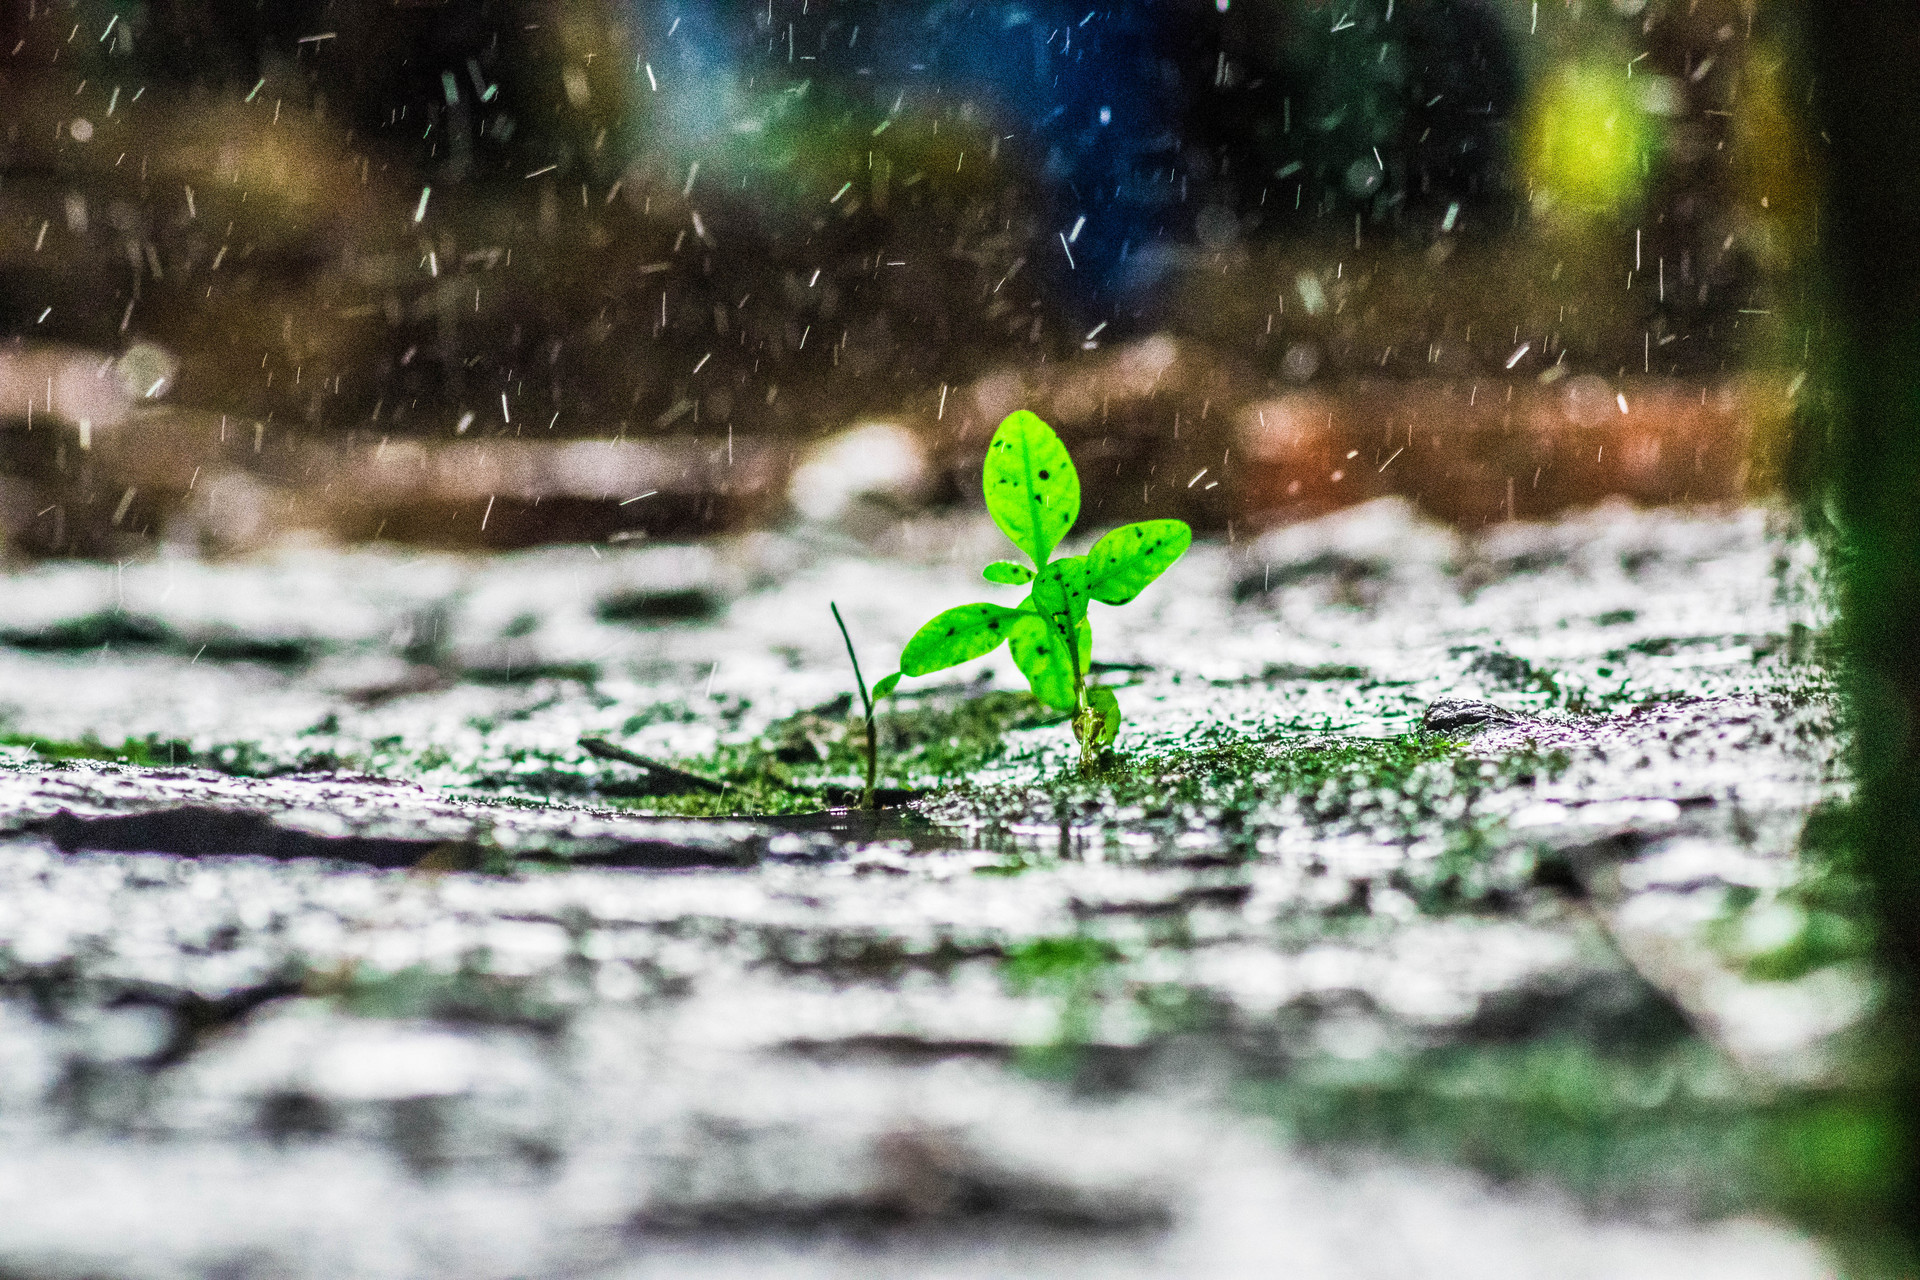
(1865, 57)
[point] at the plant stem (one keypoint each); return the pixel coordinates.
(1082, 711)
(873, 747)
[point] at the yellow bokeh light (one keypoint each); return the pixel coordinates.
(1586, 140)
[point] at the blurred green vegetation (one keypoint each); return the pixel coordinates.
(1858, 439)
(1669, 1127)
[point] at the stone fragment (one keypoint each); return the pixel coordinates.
(1454, 717)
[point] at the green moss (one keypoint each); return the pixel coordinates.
(1237, 785)
(249, 760)
(1014, 863)
(281, 652)
(815, 758)
(1235, 770)
(1074, 972)
(468, 994)
(511, 674)
(764, 796)
(1671, 1129)
(1275, 672)
(805, 762)
(117, 629)
(659, 713)
(1512, 671)
(1068, 962)
(1399, 789)
(650, 608)
(148, 752)
(113, 627)
(925, 741)
(240, 759)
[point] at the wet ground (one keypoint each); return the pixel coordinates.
(1452, 908)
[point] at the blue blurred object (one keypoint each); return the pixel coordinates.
(1144, 127)
(1096, 112)
(1083, 99)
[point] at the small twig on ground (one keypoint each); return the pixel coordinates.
(671, 780)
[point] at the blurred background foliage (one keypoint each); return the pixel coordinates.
(360, 215)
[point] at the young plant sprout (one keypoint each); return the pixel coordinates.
(880, 690)
(1033, 494)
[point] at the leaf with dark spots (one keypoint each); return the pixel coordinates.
(956, 636)
(1127, 559)
(1040, 651)
(1032, 489)
(1060, 589)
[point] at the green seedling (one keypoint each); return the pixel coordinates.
(1033, 494)
(880, 690)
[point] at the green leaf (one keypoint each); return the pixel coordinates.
(956, 636)
(1060, 590)
(1033, 492)
(1123, 562)
(1040, 651)
(1007, 573)
(1101, 699)
(886, 685)
(1058, 606)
